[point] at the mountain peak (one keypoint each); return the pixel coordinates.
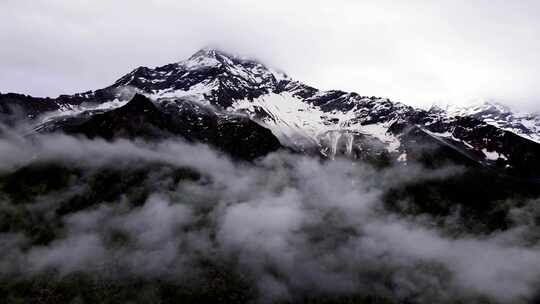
(211, 53)
(210, 57)
(139, 102)
(213, 57)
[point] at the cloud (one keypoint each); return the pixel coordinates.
(418, 52)
(294, 225)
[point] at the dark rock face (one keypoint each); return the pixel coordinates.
(17, 107)
(509, 152)
(14, 107)
(140, 118)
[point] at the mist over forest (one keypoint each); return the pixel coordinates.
(148, 217)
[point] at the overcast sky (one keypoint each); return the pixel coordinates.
(417, 52)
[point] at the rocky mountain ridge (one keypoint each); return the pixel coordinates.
(332, 123)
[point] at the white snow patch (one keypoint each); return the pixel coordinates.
(296, 122)
(402, 158)
(195, 92)
(492, 155)
(69, 110)
(380, 131)
(200, 61)
(449, 135)
(289, 118)
(533, 127)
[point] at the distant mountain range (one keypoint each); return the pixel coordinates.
(247, 109)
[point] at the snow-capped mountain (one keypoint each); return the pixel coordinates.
(209, 76)
(303, 118)
(501, 116)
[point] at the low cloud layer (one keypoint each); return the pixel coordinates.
(293, 225)
(417, 52)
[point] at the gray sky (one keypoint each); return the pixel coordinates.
(417, 52)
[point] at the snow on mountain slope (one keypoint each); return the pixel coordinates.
(526, 125)
(292, 120)
(380, 131)
(523, 124)
(299, 115)
(212, 76)
(196, 92)
(72, 110)
(301, 124)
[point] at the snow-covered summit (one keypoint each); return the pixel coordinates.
(209, 74)
(216, 58)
